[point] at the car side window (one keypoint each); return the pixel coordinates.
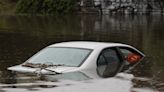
(101, 64)
(129, 54)
(108, 62)
(111, 56)
(126, 51)
(101, 60)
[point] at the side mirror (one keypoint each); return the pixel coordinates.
(133, 58)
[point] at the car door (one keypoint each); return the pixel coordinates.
(108, 62)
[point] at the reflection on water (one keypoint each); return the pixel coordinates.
(22, 36)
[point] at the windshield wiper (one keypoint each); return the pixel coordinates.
(42, 66)
(39, 65)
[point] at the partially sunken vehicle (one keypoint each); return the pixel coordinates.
(94, 59)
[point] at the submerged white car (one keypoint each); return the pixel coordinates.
(96, 59)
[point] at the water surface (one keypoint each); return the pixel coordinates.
(23, 36)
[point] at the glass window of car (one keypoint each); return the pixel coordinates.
(101, 64)
(61, 56)
(108, 62)
(126, 51)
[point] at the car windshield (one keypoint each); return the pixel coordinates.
(61, 56)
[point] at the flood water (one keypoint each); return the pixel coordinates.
(23, 36)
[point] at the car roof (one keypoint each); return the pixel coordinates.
(87, 44)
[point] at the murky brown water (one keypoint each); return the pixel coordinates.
(23, 36)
